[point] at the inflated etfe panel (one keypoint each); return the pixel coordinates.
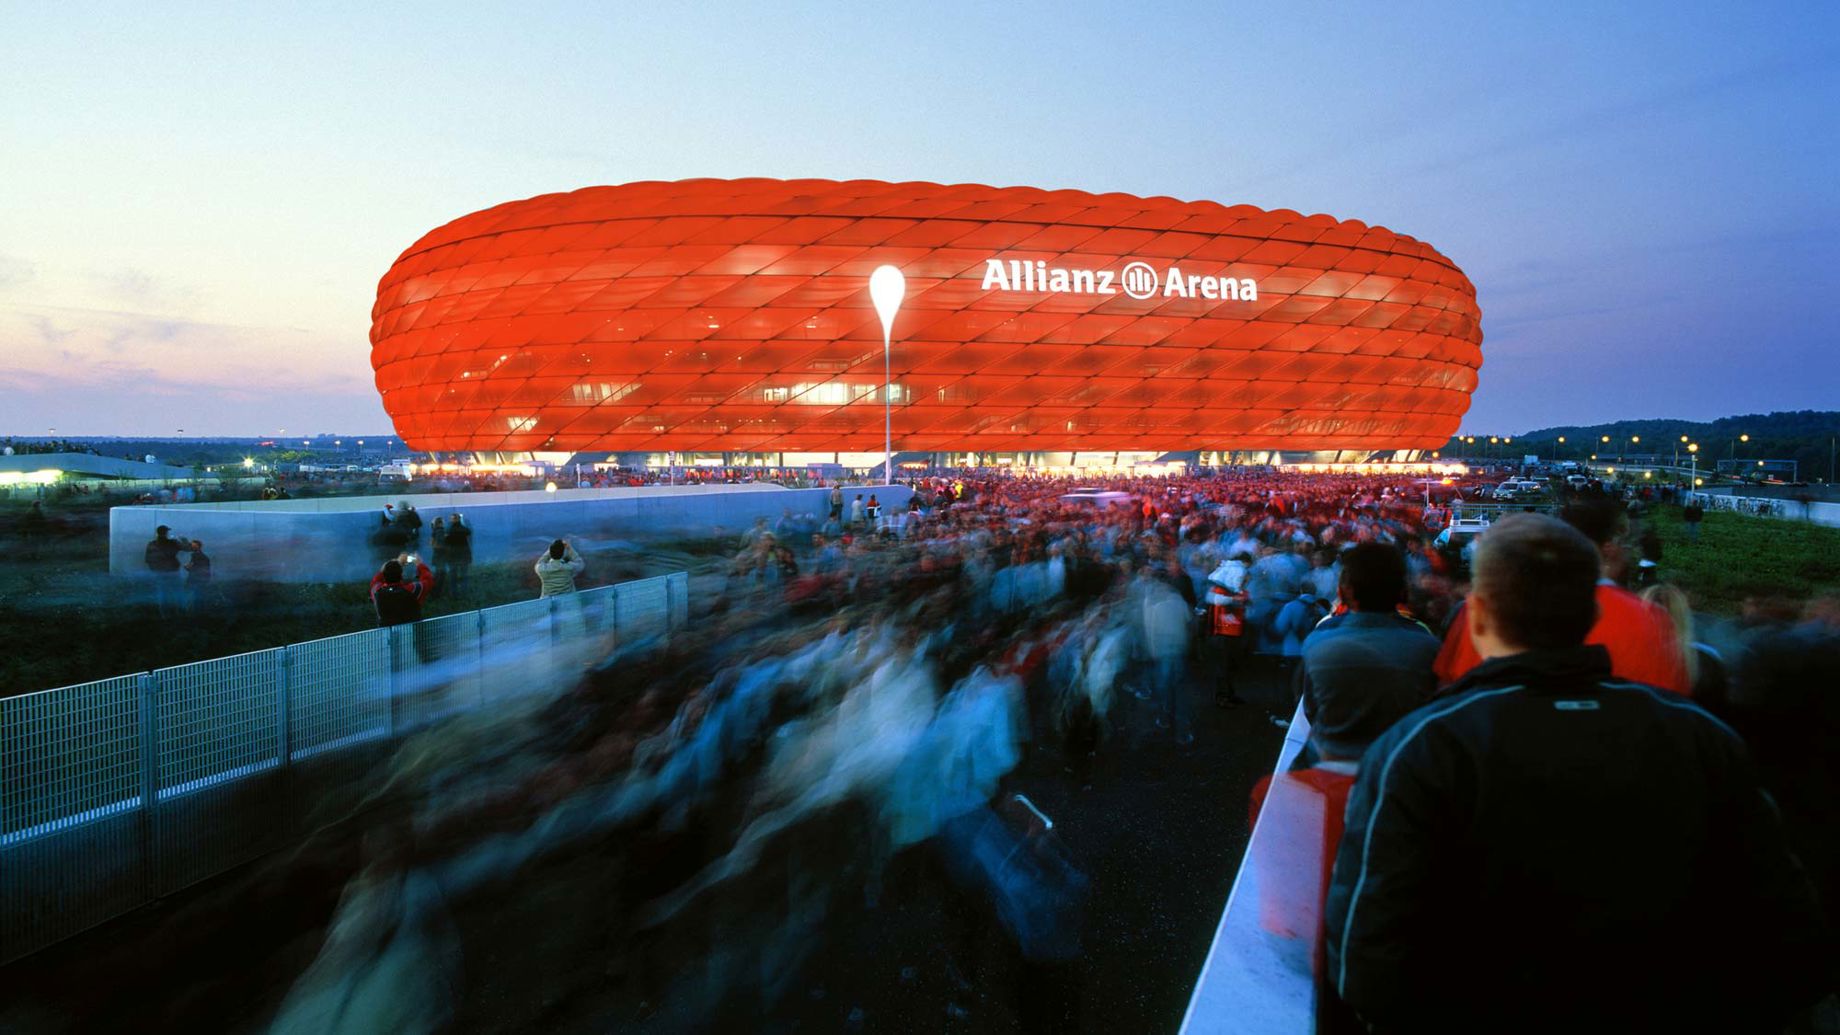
(734, 315)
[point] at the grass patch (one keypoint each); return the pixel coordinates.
(64, 619)
(1739, 556)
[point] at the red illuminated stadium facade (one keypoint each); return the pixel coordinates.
(733, 316)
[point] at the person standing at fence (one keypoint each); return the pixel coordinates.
(437, 550)
(198, 576)
(162, 558)
(1691, 516)
(459, 555)
(557, 568)
(399, 602)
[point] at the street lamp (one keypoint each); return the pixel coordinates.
(1561, 449)
(1693, 454)
(886, 289)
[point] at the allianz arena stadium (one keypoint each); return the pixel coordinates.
(734, 316)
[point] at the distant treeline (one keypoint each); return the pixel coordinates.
(1805, 436)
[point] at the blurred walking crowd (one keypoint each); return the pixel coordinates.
(1563, 810)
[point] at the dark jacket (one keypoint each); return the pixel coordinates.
(399, 603)
(1544, 848)
(163, 555)
(459, 542)
(1361, 671)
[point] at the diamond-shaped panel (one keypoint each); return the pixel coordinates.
(734, 314)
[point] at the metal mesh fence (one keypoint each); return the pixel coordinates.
(116, 792)
(68, 755)
(218, 720)
(437, 669)
(71, 847)
(515, 641)
(218, 732)
(643, 608)
(338, 692)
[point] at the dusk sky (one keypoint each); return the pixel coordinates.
(196, 202)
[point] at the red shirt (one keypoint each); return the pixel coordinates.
(1639, 636)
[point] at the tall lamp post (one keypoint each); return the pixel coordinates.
(887, 287)
(1693, 454)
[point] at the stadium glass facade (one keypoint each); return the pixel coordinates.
(733, 316)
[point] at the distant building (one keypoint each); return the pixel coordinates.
(51, 468)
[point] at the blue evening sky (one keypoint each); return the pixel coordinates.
(196, 201)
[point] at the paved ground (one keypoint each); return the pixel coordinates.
(1159, 834)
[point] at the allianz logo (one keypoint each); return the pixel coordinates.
(1137, 280)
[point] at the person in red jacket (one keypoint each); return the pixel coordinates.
(399, 602)
(1640, 636)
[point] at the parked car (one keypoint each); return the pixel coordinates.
(1462, 530)
(1518, 489)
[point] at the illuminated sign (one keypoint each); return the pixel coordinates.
(1138, 280)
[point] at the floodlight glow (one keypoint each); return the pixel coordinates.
(887, 288)
(249, 462)
(549, 487)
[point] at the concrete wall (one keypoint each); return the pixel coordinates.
(1817, 511)
(327, 540)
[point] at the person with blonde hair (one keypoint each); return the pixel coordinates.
(1705, 667)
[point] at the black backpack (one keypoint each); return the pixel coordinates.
(397, 603)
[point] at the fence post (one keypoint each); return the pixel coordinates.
(479, 653)
(283, 741)
(395, 642)
(150, 781)
(555, 629)
(670, 603)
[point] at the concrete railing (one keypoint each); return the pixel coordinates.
(1258, 976)
(117, 792)
(1821, 513)
(331, 539)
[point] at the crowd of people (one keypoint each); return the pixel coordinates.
(1559, 804)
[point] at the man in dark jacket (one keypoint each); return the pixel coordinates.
(1364, 669)
(1547, 848)
(459, 556)
(399, 602)
(162, 558)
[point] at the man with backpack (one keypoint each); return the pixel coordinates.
(399, 602)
